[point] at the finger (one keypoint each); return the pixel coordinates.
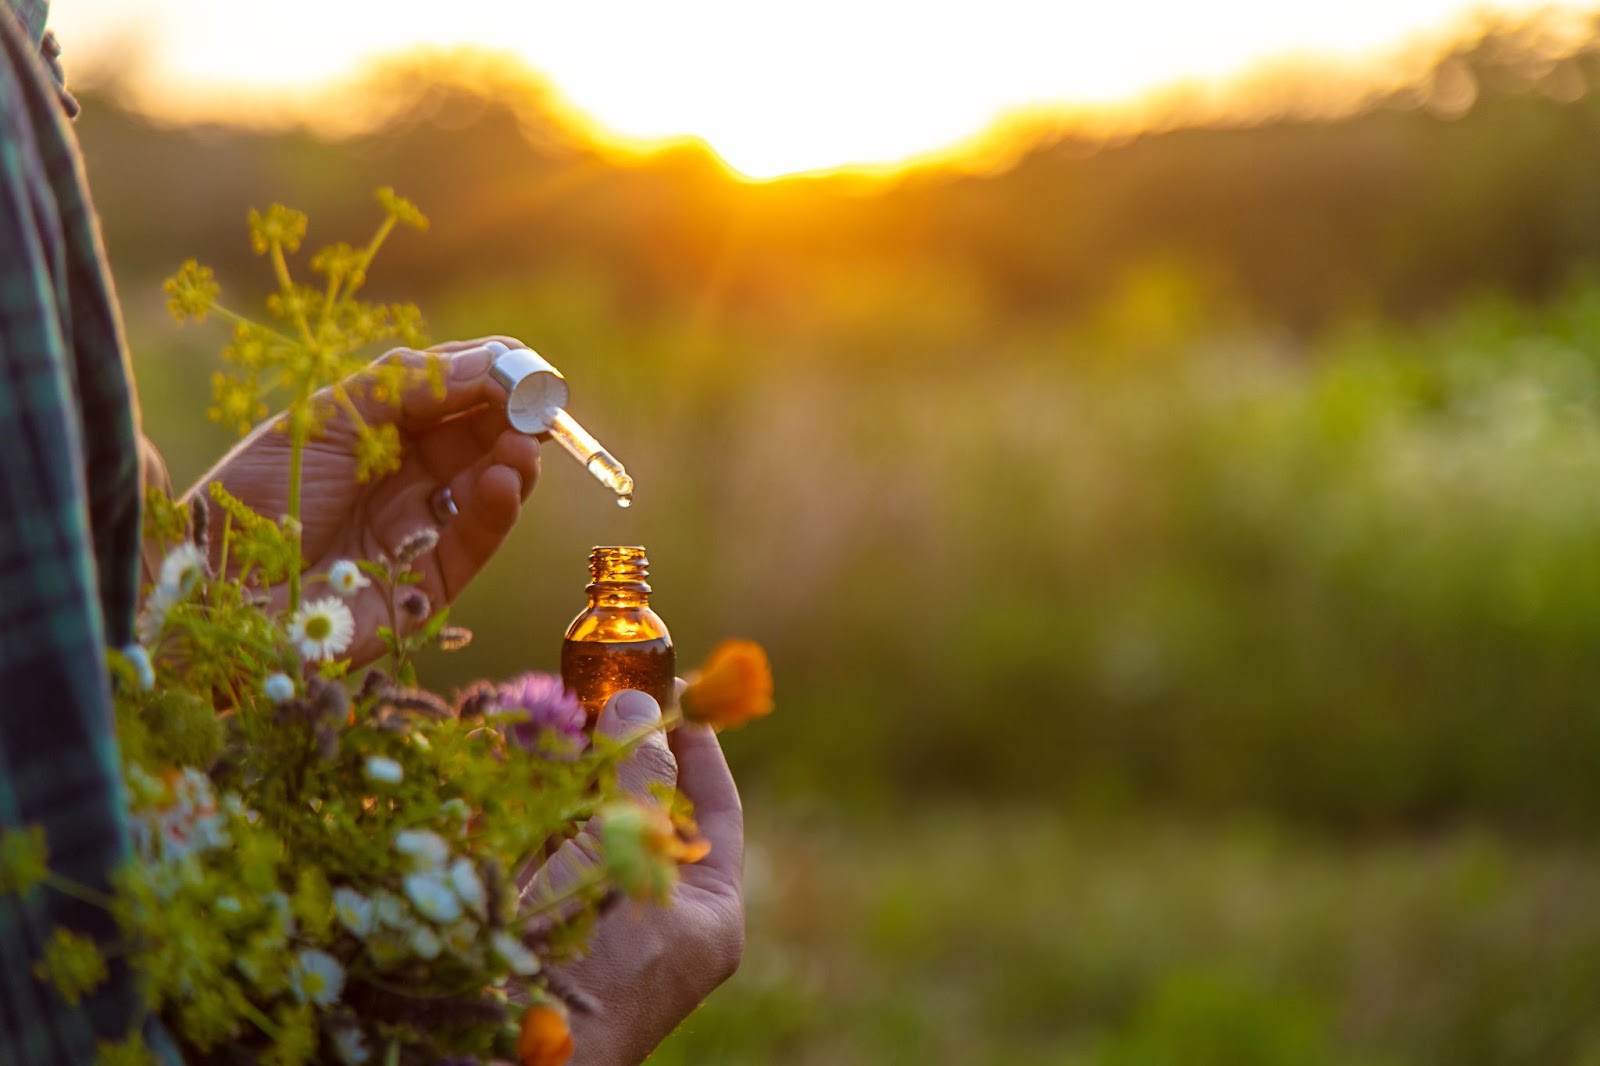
(458, 442)
(488, 497)
(457, 346)
(466, 383)
(704, 777)
(651, 765)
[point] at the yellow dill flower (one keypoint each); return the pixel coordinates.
(191, 292)
(72, 963)
(407, 325)
(236, 402)
(280, 225)
(377, 451)
(338, 262)
(402, 210)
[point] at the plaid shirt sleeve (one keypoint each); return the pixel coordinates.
(69, 529)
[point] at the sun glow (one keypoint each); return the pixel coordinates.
(773, 88)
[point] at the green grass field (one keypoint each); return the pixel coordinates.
(965, 935)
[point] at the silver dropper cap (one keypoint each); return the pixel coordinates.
(536, 389)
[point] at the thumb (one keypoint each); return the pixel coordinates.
(629, 717)
(636, 717)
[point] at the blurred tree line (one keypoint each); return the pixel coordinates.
(1223, 466)
(1477, 177)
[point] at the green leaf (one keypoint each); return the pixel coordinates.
(376, 571)
(431, 631)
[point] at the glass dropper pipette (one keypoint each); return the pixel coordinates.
(537, 403)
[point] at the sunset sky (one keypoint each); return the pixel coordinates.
(774, 87)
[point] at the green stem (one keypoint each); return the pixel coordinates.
(257, 1018)
(280, 267)
(578, 888)
(227, 535)
(68, 887)
(367, 255)
(234, 316)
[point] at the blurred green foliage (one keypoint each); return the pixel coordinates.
(954, 937)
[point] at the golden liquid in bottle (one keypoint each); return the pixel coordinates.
(597, 670)
(617, 642)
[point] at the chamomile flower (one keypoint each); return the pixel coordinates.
(182, 569)
(384, 770)
(153, 616)
(139, 659)
(317, 977)
(468, 885)
(346, 578)
(433, 897)
(354, 911)
(322, 628)
(350, 1046)
(462, 940)
(278, 687)
(425, 943)
(426, 848)
(516, 954)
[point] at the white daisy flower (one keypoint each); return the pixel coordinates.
(462, 940)
(516, 954)
(468, 885)
(183, 569)
(346, 578)
(278, 687)
(139, 659)
(384, 770)
(354, 911)
(322, 628)
(316, 977)
(456, 808)
(427, 849)
(390, 910)
(433, 897)
(425, 943)
(351, 1047)
(153, 616)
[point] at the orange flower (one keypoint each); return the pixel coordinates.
(643, 846)
(733, 687)
(545, 1040)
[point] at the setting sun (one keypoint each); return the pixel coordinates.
(774, 89)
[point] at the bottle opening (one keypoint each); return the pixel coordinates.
(619, 565)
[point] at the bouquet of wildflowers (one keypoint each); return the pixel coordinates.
(327, 866)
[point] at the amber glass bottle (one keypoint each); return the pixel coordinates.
(617, 642)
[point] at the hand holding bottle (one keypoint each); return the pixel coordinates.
(648, 967)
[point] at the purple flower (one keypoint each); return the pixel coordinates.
(547, 705)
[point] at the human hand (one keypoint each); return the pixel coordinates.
(460, 440)
(648, 967)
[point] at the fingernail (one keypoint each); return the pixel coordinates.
(636, 708)
(472, 363)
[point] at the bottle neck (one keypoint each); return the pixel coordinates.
(618, 574)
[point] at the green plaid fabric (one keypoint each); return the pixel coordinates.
(69, 538)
